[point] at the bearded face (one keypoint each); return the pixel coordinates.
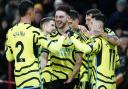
(61, 19)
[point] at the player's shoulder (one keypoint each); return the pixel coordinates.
(12, 28)
(10, 31)
(97, 39)
(35, 30)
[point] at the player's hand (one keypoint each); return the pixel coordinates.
(70, 78)
(98, 33)
(89, 33)
(65, 35)
(82, 28)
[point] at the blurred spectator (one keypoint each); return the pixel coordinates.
(38, 15)
(4, 26)
(10, 10)
(123, 45)
(16, 19)
(2, 6)
(123, 49)
(57, 2)
(38, 7)
(119, 18)
(2, 12)
(3, 65)
(120, 32)
(48, 7)
(106, 6)
(80, 5)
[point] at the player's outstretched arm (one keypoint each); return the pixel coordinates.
(51, 45)
(113, 39)
(54, 46)
(83, 47)
(91, 46)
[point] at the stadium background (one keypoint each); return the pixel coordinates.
(9, 17)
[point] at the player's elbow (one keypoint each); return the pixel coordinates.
(9, 58)
(115, 41)
(79, 62)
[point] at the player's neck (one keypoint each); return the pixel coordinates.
(64, 29)
(25, 20)
(46, 33)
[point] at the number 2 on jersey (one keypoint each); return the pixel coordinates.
(19, 43)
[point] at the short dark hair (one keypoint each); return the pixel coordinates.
(64, 8)
(99, 17)
(24, 6)
(74, 14)
(46, 20)
(93, 11)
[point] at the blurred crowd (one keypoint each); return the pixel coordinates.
(116, 13)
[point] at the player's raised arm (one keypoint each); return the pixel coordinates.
(109, 36)
(113, 39)
(89, 47)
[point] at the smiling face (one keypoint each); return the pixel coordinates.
(48, 27)
(61, 19)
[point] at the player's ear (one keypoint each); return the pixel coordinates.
(44, 27)
(68, 18)
(92, 21)
(78, 21)
(41, 26)
(29, 13)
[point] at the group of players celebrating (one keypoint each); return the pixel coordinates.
(62, 54)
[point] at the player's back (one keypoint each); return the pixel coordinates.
(104, 65)
(106, 58)
(22, 40)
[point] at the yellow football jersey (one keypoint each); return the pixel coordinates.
(23, 41)
(103, 64)
(47, 73)
(62, 63)
(86, 67)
